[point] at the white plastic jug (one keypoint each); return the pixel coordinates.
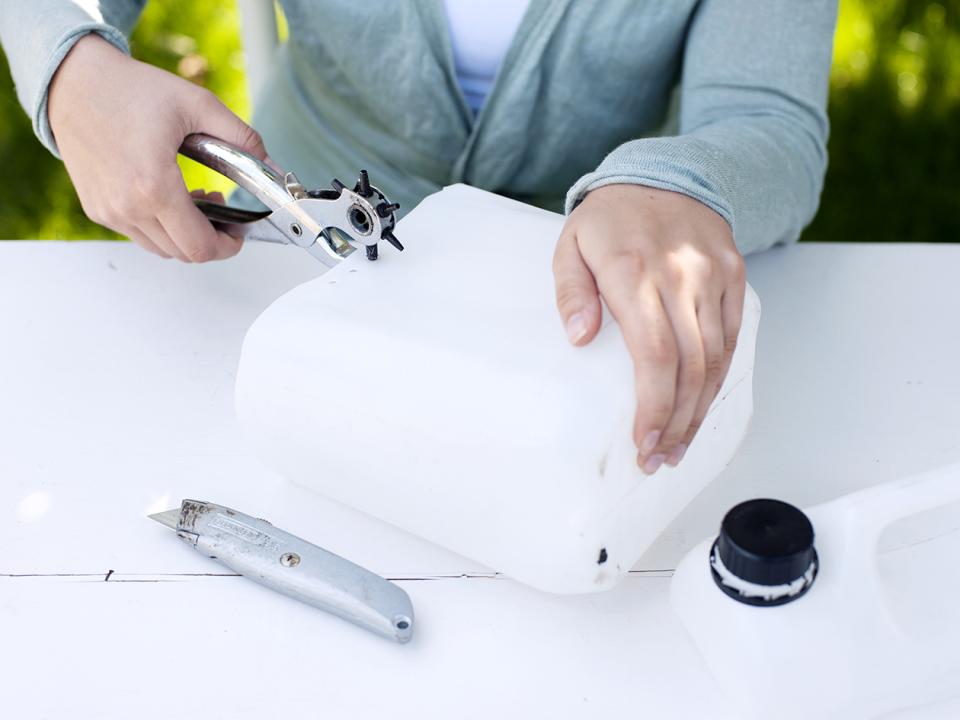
(877, 631)
(436, 390)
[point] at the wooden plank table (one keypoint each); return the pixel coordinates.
(116, 375)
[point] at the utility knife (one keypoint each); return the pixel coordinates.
(283, 562)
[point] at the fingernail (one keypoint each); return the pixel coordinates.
(676, 455)
(576, 327)
(649, 442)
(653, 463)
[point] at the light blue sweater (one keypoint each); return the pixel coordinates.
(584, 98)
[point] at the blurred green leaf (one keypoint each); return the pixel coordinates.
(198, 40)
(894, 170)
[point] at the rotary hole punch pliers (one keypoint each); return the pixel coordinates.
(325, 223)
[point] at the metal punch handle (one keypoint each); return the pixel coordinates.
(253, 175)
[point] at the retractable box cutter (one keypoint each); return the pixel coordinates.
(283, 562)
(328, 223)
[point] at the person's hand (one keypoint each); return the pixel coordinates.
(118, 124)
(668, 270)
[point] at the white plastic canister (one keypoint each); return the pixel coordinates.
(436, 390)
(877, 631)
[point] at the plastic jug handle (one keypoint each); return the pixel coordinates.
(875, 508)
(867, 513)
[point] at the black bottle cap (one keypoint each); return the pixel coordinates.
(766, 542)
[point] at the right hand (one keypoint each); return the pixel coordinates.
(118, 124)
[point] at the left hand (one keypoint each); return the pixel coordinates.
(667, 268)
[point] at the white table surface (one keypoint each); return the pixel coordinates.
(116, 374)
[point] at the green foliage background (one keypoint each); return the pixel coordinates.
(894, 106)
(197, 40)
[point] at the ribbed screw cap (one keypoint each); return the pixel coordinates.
(766, 542)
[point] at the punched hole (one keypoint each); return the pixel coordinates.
(401, 623)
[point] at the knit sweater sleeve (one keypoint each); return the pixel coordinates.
(753, 124)
(37, 35)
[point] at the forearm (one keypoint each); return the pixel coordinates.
(763, 177)
(37, 36)
(753, 130)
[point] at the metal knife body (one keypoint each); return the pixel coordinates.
(283, 562)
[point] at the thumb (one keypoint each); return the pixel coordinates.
(214, 118)
(576, 290)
